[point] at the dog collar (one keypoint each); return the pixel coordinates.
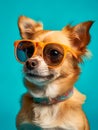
(50, 101)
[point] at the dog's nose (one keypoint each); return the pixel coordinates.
(31, 64)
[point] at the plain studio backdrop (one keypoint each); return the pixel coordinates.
(54, 14)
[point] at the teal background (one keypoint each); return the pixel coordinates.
(55, 14)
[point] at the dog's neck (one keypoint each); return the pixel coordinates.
(50, 101)
(49, 94)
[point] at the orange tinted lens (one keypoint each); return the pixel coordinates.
(53, 54)
(25, 50)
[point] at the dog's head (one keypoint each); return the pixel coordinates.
(53, 56)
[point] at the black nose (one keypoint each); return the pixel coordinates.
(31, 64)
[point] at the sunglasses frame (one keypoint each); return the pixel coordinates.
(42, 45)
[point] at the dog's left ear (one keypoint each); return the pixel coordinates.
(28, 27)
(79, 35)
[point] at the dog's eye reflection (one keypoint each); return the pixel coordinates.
(52, 56)
(55, 56)
(54, 53)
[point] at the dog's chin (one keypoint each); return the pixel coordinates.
(39, 80)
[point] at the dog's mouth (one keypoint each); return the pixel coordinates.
(38, 79)
(37, 76)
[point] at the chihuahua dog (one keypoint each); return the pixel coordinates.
(50, 60)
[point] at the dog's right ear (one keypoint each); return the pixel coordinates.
(28, 27)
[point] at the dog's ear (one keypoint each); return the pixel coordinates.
(28, 27)
(79, 35)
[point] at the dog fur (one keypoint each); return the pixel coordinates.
(66, 115)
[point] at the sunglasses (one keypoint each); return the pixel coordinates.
(52, 53)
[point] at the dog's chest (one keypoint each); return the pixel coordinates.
(49, 117)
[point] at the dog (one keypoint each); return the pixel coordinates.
(50, 61)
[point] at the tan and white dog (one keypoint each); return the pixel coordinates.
(51, 68)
